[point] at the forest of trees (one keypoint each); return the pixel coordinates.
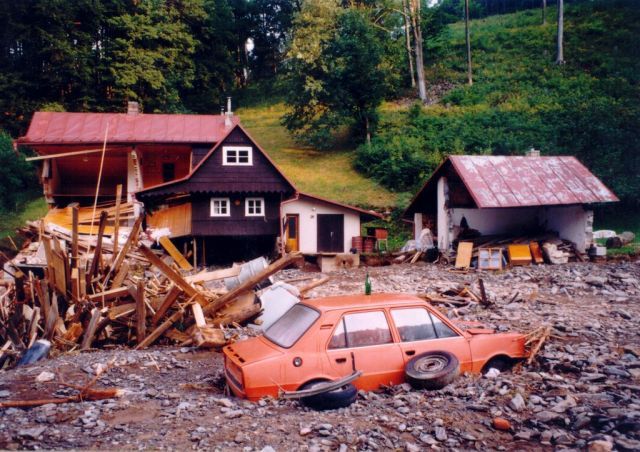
(186, 55)
(334, 62)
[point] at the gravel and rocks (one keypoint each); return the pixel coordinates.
(581, 392)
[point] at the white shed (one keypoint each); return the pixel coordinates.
(509, 195)
(314, 225)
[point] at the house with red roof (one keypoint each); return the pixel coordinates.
(513, 195)
(200, 176)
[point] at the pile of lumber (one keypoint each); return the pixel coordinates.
(543, 248)
(460, 296)
(95, 291)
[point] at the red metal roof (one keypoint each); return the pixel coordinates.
(85, 128)
(518, 181)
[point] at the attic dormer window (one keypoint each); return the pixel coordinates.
(237, 155)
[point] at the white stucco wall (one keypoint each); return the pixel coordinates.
(497, 221)
(444, 235)
(308, 211)
(573, 223)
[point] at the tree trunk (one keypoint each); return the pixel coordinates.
(560, 53)
(544, 12)
(468, 39)
(417, 37)
(407, 35)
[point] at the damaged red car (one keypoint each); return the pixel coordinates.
(382, 339)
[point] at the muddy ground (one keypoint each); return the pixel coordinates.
(582, 392)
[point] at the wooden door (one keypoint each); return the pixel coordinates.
(330, 233)
(293, 232)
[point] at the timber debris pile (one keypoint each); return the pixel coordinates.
(79, 288)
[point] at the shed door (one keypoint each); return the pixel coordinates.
(330, 233)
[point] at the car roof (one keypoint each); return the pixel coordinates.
(360, 301)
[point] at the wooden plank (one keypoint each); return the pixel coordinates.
(536, 252)
(175, 254)
(242, 308)
(133, 235)
(62, 154)
(89, 333)
(121, 275)
(483, 294)
(215, 275)
(116, 224)
(97, 254)
(463, 257)
(141, 313)
(74, 236)
(150, 339)
(198, 315)
(52, 318)
(167, 302)
(174, 276)
(250, 283)
(59, 272)
(110, 294)
(121, 310)
(314, 284)
(75, 283)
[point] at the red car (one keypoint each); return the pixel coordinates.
(386, 338)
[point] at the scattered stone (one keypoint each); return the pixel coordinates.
(517, 403)
(45, 376)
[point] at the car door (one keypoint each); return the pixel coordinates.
(363, 340)
(421, 331)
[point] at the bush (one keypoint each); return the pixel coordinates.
(18, 181)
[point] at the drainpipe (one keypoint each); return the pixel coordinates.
(282, 244)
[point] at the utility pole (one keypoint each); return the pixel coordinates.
(468, 39)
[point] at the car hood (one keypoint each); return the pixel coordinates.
(251, 351)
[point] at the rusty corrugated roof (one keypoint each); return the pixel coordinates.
(515, 181)
(81, 128)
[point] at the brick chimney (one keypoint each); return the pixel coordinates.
(533, 152)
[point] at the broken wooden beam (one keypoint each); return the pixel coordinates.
(177, 256)
(309, 287)
(141, 313)
(250, 283)
(89, 333)
(173, 275)
(110, 294)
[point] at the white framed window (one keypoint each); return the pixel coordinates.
(254, 207)
(237, 155)
(220, 207)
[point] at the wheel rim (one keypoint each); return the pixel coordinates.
(430, 364)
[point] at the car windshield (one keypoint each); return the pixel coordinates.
(290, 327)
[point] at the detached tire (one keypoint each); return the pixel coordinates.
(432, 370)
(331, 400)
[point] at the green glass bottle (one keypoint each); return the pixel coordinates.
(367, 284)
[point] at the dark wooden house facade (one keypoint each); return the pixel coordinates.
(233, 195)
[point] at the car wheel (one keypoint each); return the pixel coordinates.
(331, 400)
(502, 363)
(432, 370)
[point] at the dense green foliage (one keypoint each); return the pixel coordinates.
(589, 107)
(17, 177)
(94, 55)
(337, 76)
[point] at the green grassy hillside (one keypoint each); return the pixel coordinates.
(323, 173)
(588, 107)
